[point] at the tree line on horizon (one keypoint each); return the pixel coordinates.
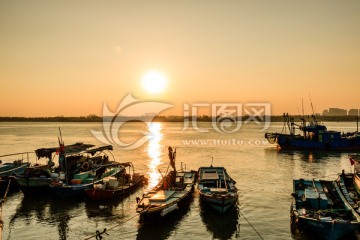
(202, 118)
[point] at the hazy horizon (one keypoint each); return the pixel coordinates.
(69, 58)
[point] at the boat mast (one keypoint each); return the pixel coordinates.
(225, 179)
(303, 118)
(62, 155)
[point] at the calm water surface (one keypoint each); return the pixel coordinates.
(264, 179)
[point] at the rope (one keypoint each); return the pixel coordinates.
(2, 203)
(98, 234)
(251, 225)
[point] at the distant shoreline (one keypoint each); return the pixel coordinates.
(94, 118)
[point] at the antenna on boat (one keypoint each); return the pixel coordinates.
(302, 105)
(312, 107)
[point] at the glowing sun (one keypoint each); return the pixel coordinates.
(154, 82)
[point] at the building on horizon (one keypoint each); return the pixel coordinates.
(335, 112)
(353, 112)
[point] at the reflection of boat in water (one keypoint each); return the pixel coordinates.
(171, 194)
(223, 226)
(112, 187)
(217, 189)
(323, 208)
(44, 210)
(11, 167)
(314, 136)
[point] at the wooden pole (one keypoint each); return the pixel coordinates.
(2, 204)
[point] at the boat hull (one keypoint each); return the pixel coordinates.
(34, 185)
(219, 204)
(101, 195)
(326, 229)
(6, 174)
(158, 213)
(11, 169)
(78, 190)
(71, 190)
(286, 141)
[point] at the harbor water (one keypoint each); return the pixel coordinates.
(263, 175)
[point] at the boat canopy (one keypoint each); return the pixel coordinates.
(99, 149)
(45, 152)
(69, 149)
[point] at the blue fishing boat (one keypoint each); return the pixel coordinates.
(36, 179)
(171, 194)
(322, 208)
(83, 169)
(217, 189)
(8, 168)
(313, 135)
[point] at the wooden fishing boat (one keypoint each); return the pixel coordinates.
(36, 179)
(83, 168)
(170, 195)
(78, 183)
(112, 187)
(11, 167)
(217, 189)
(322, 208)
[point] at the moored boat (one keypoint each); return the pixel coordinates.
(83, 169)
(217, 189)
(171, 194)
(321, 207)
(36, 179)
(114, 187)
(314, 136)
(11, 167)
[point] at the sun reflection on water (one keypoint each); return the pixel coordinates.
(154, 153)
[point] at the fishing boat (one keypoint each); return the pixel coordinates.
(11, 167)
(313, 135)
(83, 169)
(169, 196)
(217, 189)
(114, 187)
(36, 179)
(323, 208)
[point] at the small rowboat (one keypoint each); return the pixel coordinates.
(217, 189)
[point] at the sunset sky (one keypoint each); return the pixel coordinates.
(70, 57)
